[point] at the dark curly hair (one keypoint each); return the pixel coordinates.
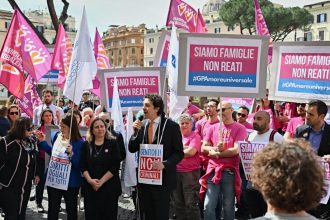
(288, 175)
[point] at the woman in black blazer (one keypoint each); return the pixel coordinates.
(100, 161)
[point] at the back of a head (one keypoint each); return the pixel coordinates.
(288, 175)
(3, 111)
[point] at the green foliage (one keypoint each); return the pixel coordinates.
(280, 21)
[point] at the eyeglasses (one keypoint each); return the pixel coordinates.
(29, 129)
(86, 93)
(13, 113)
(241, 115)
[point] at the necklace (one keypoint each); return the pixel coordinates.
(97, 152)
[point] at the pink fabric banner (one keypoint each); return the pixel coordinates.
(12, 79)
(182, 15)
(262, 29)
(31, 98)
(23, 49)
(62, 56)
(201, 27)
(101, 59)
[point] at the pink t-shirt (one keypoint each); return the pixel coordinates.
(206, 126)
(200, 125)
(192, 109)
(247, 125)
(230, 134)
(293, 124)
(189, 164)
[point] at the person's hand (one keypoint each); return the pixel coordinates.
(86, 119)
(213, 152)
(94, 183)
(327, 158)
(219, 147)
(137, 125)
(36, 180)
(195, 116)
(40, 135)
(58, 115)
(157, 165)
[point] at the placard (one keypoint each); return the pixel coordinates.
(326, 168)
(300, 72)
(133, 85)
(147, 154)
(225, 65)
(246, 153)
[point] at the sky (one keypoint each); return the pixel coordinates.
(102, 13)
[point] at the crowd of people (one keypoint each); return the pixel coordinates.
(203, 177)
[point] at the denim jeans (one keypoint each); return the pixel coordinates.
(225, 191)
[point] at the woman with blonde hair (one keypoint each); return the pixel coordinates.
(100, 162)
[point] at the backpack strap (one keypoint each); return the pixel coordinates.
(271, 136)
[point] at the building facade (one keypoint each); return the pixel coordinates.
(124, 45)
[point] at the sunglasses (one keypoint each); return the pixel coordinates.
(29, 129)
(241, 115)
(13, 113)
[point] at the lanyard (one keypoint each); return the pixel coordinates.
(161, 137)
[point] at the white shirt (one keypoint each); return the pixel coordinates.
(255, 137)
(37, 112)
(156, 124)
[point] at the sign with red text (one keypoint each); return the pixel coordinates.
(162, 49)
(301, 72)
(146, 174)
(326, 168)
(246, 152)
(133, 85)
(234, 66)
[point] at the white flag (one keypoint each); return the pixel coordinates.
(116, 113)
(131, 158)
(177, 103)
(83, 67)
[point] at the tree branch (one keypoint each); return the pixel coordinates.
(64, 14)
(53, 14)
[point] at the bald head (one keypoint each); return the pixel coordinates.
(261, 122)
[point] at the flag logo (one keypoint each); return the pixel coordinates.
(173, 61)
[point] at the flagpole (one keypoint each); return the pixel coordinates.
(220, 120)
(74, 94)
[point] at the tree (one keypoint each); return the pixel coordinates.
(53, 15)
(280, 21)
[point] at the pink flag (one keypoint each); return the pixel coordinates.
(31, 98)
(62, 55)
(101, 59)
(262, 29)
(12, 79)
(182, 15)
(23, 49)
(201, 28)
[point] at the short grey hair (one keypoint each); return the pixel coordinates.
(185, 117)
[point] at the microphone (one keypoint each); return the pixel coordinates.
(140, 118)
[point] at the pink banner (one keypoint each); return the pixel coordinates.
(101, 59)
(262, 29)
(62, 56)
(182, 15)
(12, 79)
(237, 102)
(201, 27)
(23, 49)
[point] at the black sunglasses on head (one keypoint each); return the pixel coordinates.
(241, 114)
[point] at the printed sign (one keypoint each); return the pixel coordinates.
(133, 85)
(246, 152)
(326, 167)
(59, 168)
(162, 49)
(232, 65)
(147, 154)
(301, 72)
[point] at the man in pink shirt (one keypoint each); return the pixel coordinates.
(186, 192)
(222, 179)
(242, 115)
(201, 122)
(296, 122)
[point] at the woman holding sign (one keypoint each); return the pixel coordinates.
(100, 161)
(63, 177)
(18, 166)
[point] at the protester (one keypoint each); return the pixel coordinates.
(47, 103)
(4, 123)
(70, 105)
(269, 106)
(60, 102)
(77, 115)
(13, 114)
(87, 116)
(73, 154)
(193, 110)
(242, 115)
(290, 178)
(289, 111)
(155, 199)
(222, 179)
(263, 133)
(296, 121)
(18, 167)
(100, 162)
(186, 192)
(46, 120)
(86, 103)
(317, 131)
(12, 100)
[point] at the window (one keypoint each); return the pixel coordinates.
(151, 40)
(151, 50)
(151, 63)
(133, 62)
(217, 30)
(133, 50)
(119, 52)
(308, 36)
(40, 29)
(321, 18)
(7, 24)
(133, 41)
(230, 29)
(321, 35)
